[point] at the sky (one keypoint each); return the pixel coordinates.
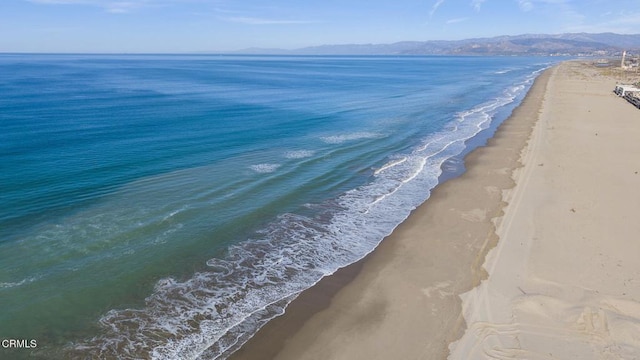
(142, 26)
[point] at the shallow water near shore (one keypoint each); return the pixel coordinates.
(158, 206)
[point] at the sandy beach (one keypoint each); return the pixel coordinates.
(531, 253)
(564, 278)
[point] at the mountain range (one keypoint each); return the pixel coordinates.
(530, 44)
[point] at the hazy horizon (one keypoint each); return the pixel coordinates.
(192, 26)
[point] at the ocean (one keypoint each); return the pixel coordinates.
(167, 206)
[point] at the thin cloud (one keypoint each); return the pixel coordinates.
(435, 7)
(525, 5)
(630, 19)
(122, 7)
(457, 20)
(111, 6)
(261, 21)
(622, 23)
(60, 2)
(558, 11)
(225, 11)
(528, 5)
(477, 4)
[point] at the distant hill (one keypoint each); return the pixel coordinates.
(530, 44)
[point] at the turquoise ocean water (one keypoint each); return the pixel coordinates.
(167, 206)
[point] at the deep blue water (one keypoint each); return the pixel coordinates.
(160, 205)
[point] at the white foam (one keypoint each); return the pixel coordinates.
(299, 154)
(390, 164)
(265, 168)
(175, 212)
(7, 285)
(339, 139)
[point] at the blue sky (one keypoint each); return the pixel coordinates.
(221, 25)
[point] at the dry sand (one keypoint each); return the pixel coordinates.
(564, 280)
(564, 276)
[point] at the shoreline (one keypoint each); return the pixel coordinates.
(350, 299)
